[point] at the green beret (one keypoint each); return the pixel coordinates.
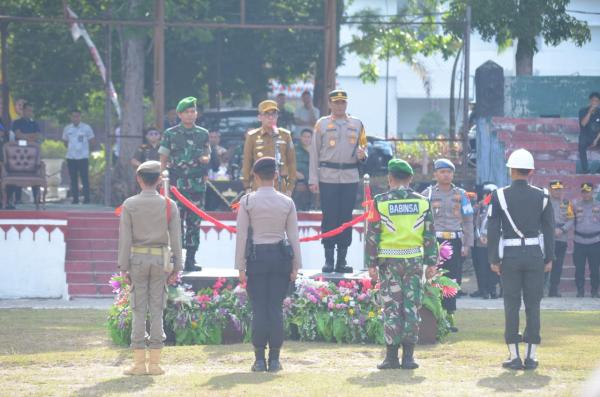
(399, 165)
(185, 103)
(151, 167)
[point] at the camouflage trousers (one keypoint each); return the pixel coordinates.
(190, 222)
(401, 296)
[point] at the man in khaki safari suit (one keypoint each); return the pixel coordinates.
(147, 226)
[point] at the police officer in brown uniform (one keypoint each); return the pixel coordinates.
(453, 221)
(267, 252)
(270, 141)
(587, 239)
(148, 223)
(339, 144)
(563, 218)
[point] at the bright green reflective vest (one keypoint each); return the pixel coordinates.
(402, 225)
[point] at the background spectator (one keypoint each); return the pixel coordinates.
(302, 195)
(149, 150)
(589, 134)
(171, 119)
(78, 136)
(306, 116)
(286, 118)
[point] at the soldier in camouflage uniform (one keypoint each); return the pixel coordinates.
(400, 241)
(186, 151)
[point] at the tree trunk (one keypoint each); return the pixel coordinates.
(452, 132)
(524, 56)
(133, 102)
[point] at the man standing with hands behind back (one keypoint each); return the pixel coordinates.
(521, 249)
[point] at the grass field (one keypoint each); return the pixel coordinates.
(66, 352)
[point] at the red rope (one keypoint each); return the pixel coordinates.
(334, 232)
(199, 212)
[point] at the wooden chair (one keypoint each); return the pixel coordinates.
(23, 167)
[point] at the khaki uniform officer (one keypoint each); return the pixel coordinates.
(145, 229)
(269, 260)
(339, 144)
(270, 141)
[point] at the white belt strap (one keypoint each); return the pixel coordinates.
(504, 206)
(517, 242)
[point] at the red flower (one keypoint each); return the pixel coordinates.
(366, 284)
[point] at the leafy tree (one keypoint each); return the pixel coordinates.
(521, 20)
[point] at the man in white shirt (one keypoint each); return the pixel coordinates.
(305, 116)
(78, 136)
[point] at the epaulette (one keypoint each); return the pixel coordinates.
(254, 131)
(284, 131)
(144, 146)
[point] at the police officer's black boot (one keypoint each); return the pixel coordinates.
(580, 293)
(190, 261)
(514, 360)
(329, 260)
(408, 361)
(260, 365)
(530, 359)
(391, 358)
(340, 265)
(274, 364)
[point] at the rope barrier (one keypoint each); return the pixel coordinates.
(207, 217)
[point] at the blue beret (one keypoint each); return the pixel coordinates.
(443, 163)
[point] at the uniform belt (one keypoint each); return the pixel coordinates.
(158, 251)
(587, 235)
(399, 251)
(449, 235)
(517, 242)
(338, 166)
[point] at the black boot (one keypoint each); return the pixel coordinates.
(595, 294)
(580, 293)
(190, 261)
(340, 265)
(408, 361)
(329, 260)
(391, 358)
(260, 364)
(274, 364)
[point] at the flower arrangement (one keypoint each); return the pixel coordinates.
(348, 312)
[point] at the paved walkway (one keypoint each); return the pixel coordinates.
(567, 303)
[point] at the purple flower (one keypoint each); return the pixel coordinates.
(330, 305)
(361, 320)
(115, 284)
(312, 298)
(445, 251)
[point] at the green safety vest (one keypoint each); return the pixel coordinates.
(402, 225)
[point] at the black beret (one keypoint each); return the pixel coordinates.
(265, 164)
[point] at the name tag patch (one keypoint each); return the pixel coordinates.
(403, 208)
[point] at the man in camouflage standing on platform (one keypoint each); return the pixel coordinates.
(185, 151)
(400, 242)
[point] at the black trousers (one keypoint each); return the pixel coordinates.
(589, 253)
(268, 282)
(522, 273)
(486, 278)
(454, 267)
(560, 249)
(337, 203)
(585, 141)
(79, 169)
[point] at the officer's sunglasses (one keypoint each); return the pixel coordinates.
(271, 113)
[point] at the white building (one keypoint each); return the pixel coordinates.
(407, 100)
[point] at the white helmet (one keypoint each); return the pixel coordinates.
(520, 158)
